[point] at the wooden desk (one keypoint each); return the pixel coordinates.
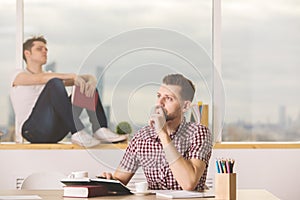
(57, 195)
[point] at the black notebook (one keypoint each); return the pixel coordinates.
(114, 187)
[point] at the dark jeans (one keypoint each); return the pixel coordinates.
(54, 116)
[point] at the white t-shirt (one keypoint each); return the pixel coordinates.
(23, 99)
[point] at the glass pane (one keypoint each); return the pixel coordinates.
(260, 69)
(75, 29)
(7, 65)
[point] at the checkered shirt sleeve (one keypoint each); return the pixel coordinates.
(129, 162)
(201, 144)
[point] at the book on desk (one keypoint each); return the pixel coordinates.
(85, 191)
(114, 187)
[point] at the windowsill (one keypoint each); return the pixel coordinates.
(223, 145)
(62, 146)
(257, 145)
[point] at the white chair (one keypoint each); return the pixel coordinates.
(43, 181)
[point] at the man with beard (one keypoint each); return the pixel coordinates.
(173, 153)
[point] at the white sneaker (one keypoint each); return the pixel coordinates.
(84, 139)
(106, 135)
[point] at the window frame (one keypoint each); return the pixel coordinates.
(217, 115)
(217, 60)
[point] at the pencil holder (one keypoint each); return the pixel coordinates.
(225, 186)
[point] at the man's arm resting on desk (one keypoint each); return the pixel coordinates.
(186, 172)
(120, 175)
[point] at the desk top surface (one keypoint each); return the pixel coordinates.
(57, 195)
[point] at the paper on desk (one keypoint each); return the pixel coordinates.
(20, 197)
(183, 194)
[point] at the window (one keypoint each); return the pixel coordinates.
(259, 56)
(76, 28)
(260, 70)
(7, 65)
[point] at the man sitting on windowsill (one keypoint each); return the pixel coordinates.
(44, 112)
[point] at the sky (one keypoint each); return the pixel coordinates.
(264, 46)
(259, 45)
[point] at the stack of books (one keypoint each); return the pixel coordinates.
(87, 187)
(200, 113)
(85, 191)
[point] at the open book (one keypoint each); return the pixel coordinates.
(114, 187)
(79, 99)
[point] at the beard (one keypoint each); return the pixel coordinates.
(171, 116)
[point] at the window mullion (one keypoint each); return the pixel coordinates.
(218, 97)
(19, 33)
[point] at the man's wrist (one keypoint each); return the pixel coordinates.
(164, 137)
(171, 153)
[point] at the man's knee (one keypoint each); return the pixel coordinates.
(56, 83)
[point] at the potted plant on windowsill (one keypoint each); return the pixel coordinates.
(124, 128)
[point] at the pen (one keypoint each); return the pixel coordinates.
(225, 165)
(228, 167)
(218, 167)
(232, 164)
(221, 168)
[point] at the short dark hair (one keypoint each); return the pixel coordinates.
(187, 86)
(28, 44)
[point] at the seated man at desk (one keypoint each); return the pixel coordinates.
(44, 112)
(173, 153)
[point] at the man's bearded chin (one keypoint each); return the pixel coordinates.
(169, 116)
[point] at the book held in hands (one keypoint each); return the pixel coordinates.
(85, 191)
(79, 99)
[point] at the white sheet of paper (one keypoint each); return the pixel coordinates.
(182, 194)
(20, 197)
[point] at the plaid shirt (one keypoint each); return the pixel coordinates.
(192, 140)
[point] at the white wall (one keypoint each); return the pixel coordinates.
(276, 170)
